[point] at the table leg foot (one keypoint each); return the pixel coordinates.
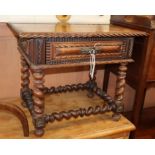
(116, 116)
(39, 132)
(39, 124)
(90, 94)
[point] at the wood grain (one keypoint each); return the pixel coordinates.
(49, 30)
(98, 126)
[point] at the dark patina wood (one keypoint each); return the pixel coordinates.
(43, 46)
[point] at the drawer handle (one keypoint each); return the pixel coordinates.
(90, 50)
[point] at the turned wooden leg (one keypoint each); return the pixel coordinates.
(38, 97)
(92, 84)
(24, 78)
(119, 92)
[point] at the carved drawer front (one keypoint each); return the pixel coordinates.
(63, 50)
(58, 51)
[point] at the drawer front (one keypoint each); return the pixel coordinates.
(76, 50)
(80, 50)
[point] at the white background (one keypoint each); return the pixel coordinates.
(51, 19)
(76, 7)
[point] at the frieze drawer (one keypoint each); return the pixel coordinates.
(70, 51)
(76, 49)
(45, 51)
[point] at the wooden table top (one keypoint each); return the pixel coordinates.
(46, 30)
(96, 126)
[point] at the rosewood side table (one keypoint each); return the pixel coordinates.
(45, 46)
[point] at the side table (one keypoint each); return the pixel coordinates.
(43, 46)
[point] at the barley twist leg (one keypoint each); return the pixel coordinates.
(119, 91)
(25, 74)
(91, 85)
(38, 97)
